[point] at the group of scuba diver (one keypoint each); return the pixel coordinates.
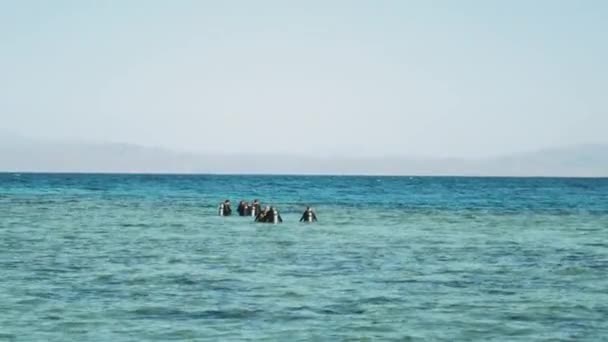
(266, 215)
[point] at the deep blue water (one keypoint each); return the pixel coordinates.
(145, 257)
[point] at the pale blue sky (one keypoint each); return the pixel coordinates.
(432, 78)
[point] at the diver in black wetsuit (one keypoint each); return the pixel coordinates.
(308, 216)
(224, 209)
(243, 208)
(273, 216)
(261, 216)
(255, 208)
(269, 215)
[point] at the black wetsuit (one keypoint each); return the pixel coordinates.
(243, 209)
(269, 218)
(227, 210)
(261, 216)
(305, 216)
(257, 208)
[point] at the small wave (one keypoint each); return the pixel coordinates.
(375, 327)
(183, 280)
(597, 244)
(51, 270)
(135, 225)
(141, 280)
(175, 261)
(30, 301)
(227, 314)
(379, 300)
(457, 283)
(285, 243)
(396, 281)
(176, 314)
(157, 312)
(8, 337)
(499, 292)
(93, 188)
(104, 277)
(341, 309)
(571, 271)
(292, 294)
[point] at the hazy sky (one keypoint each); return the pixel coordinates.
(433, 78)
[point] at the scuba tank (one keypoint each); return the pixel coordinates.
(253, 211)
(309, 213)
(221, 209)
(275, 217)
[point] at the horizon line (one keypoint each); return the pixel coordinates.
(127, 173)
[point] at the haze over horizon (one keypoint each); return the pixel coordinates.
(11, 140)
(436, 79)
(24, 155)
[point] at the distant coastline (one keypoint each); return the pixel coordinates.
(581, 161)
(320, 175)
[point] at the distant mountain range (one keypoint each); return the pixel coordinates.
(23, 155)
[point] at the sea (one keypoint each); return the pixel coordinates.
(111, 257)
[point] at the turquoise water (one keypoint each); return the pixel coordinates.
(145, 258)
